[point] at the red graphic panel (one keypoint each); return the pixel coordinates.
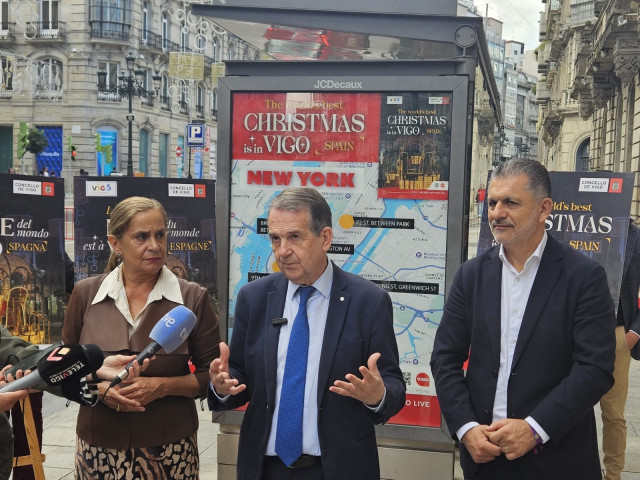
(327, 127)
(422, 410)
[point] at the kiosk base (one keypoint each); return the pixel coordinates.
(399, 459)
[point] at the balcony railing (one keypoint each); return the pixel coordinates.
(44, 30)
(184, 107)
(6, 94)
(109, 97)
(108, 34)
(151, 40)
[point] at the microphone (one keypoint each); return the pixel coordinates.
(169, 333)
(276, 322)
(31, 362)
(63, 364)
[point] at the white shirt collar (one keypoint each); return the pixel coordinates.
(322, 284)
(167, 286)
(535, 256)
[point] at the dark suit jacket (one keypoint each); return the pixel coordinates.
(562, 364)
(628, 306)
(359, 323)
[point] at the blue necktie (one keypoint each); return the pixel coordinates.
(289, 432)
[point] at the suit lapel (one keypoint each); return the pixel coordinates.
(631, 243)
(275, 307)
(543, 285)
(336, 316)
(491, 290)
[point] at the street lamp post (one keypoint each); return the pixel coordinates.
(525, 148)
(130, 85)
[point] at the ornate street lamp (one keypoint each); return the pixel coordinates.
(130, 86)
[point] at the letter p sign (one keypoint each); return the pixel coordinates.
(195, 135)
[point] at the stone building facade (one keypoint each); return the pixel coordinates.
(591, 65)
(564, 125)
(51, 52)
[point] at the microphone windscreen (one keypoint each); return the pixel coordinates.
(174, 328)
(69, 361)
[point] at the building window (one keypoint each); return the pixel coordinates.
(163, 153)
(110, 19)
(199, 101)
(4, 15)
(184, 39)
(201, 41)
(6, 77)
(164, 93)
(49, 81)
(214, 105)
(143, 157)
(49, 14)
(165, 32)
(583, 159)
(216, 49)
(145, 21)
(112, 70)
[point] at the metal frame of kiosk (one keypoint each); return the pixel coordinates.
(402, 448)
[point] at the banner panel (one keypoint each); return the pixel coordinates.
(332, 142)
(32, 293)
(591, 214)
(415, 145)
(52, 156)
(191, 227)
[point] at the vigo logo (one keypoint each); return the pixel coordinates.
(101, 189)
(423, 379)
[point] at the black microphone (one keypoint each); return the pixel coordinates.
(31, 362)
(63, 364)
(169, 333)
(276, 322)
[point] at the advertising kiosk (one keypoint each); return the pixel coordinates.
(387, 143)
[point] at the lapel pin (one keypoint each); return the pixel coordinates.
(342, 299)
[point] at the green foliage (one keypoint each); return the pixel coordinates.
(22, 139)
(36, 141)
(105, 149)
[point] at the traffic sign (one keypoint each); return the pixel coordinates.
(195, 135)
(178, 151)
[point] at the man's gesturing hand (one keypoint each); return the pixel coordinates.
(368, 389)
(219, 374)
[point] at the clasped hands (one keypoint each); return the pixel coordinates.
(369, 389)
(510, 436)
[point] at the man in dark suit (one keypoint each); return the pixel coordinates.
(353, 379)
(612, 404)
(537, 322)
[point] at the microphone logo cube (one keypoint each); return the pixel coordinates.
(58, 354)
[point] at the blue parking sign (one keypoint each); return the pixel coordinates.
(195, 135)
